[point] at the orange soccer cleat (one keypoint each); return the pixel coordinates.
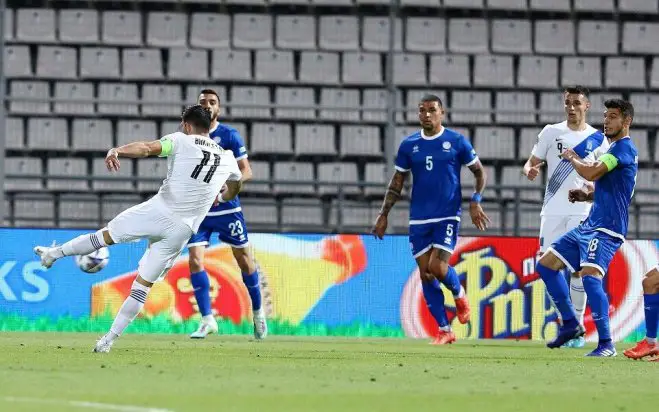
(642, 349)
(463, 309)
(444, 338)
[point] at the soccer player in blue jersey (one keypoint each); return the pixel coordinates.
(434, 156)
(227, 220)
(590, 247)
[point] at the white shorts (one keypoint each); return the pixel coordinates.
(553, 227)
(166, 235)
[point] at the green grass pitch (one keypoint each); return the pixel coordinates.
(57, 372)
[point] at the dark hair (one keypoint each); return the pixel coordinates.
(210, 91)
(625, 107)
(198, 117)
(578, 89)
(431, 98)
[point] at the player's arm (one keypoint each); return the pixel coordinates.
(591, 171)
(478, 216)
(391, 196)
(532, 167)
(237, 146)
(585, 194)
(137, 150)
(233, 185)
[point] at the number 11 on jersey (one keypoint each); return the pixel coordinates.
(204, 162)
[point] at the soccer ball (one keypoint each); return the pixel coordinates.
(94, 261)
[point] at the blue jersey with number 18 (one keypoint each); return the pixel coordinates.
(435, 163)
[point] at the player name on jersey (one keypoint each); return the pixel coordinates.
(206, 143)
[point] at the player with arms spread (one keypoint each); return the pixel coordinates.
(558, 215)
(590, 247)
(434, 156)
(226, 219)
(197, 168)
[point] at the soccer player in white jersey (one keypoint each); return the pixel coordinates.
(559, 215)
(197, 168)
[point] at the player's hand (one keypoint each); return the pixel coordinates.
(569, 154)
(217, 198)
(112, 160)
(478, 216)
(380, 226)
(577, 195)
(534, 171)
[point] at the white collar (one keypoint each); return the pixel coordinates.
(424, 137)
(214, 128)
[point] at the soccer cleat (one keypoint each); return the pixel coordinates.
(641, 350)
(565, 335)
(444, 338)
(260, 325)
(46, 255)
(463, 309)
(103, 345)
(206, 327)
(576, 343)
(604, 350)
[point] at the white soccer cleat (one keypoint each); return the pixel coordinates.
(206, 327)
(260, 325)
(103, 345)
(46, 255)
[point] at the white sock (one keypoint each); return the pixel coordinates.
(446, 328)
(129, 310)
(462, 293)
(208, 318)
(578, 297)
(83, 245)
(651, 341)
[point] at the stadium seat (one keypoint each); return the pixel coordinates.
(231, 65)
(493, 71)
(597, 37)
(511, 36)
(552, 108)
(450, 70)
(410, 69)
(493, 211)
(187, 65)
(129, 131)
(361, 68)
(355, 216)
(338, 33)
(638, 6)
(151, 168)
(92, 135)
(122, 28)
(375, 173)
(99, 63)
(116, 181)
(378, 99)
(36, 25)
(645, 108)
(210, 30)
(596, 112)
(47, 133)
(122, 93)
(273, 66)
(171, 126)
(431, 4)
(470, 101)
(332, 3)
(67, 166)
(57, 62)
(517, 103)
(360, 141)
(402, 132)
(375, 33)
(260, 213)
(294, 171)
(18, 89)
(23, 166)
(654, 73)
(594, 5)
(142, 64)
(295, 96)
(507, 4)
(260, 171)
(291, 2)
(112, 205)
(648, 221)
(69, 91)
(9, 26)
(14, 133)
(425, 34)
(296, 32)
(315, 140)
(511, 176)
(250, 96)
(468, 36)
(550, 5)
(586, 71)
(252, 31)
(79, 26)
(640, 37)
(467, 181)
(166, 29)
(302, 213)
(537, 72)
(241, 128)
(35, 210)
(642, 144)
(79, 211)
(340, 173)
(319, 68)
(625, 73)
(463, 4)
(343, 98)
(271, 139)
(17, 61)
(646, 179)
(413, 98)
(165, 93)
(495, 143)
(528, 137)
(554, 36)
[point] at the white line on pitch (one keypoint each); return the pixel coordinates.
(85, 404)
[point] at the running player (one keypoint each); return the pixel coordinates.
(648, 346)
(590, 247)
(558, 215)
(197, 170)
(227, 220)
(434, 156)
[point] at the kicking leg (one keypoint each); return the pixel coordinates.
(446, 274)
(201, 285)
(82, 245)
(648, 346)
(250, 274)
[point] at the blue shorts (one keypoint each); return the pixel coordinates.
(440, 235)
(231, 229)
(585, 247)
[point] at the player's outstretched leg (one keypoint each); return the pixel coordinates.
(250, 276)
(447, 275)
(201, 285)
(648, 346)
(599, 305)
(82, 245)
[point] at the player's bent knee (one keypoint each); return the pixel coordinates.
(651, 282)
(551, 261)
(196, 259)
(107, 238)
(139, 279)
(591, 271)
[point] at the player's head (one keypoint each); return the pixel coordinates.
(618, 118)
(431, 113)
(576, 104)
(196, 120)
(211, 102)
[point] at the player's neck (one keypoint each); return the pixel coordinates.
(620, 136)
(214, 124)
(577, 127)
(432, 133)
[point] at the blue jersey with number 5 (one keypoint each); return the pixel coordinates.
(229, 139)
(435, 163)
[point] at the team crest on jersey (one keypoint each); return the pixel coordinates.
(446, 146)
(415, 149)
(589, 146)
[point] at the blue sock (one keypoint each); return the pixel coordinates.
(435, 301)
(599, 306)
(560, 293)
(202, 291)
(651, 314)
(253, 288)
(452, 282)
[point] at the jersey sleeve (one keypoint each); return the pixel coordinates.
(618, 155)
(542, 145)
(168, 143)
(467, 153)
(237, 146)
(402, 163)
